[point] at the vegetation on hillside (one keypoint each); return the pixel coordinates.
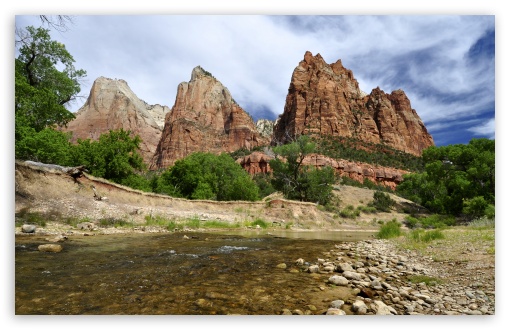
(352, 149)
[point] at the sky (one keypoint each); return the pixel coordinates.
(444, 63)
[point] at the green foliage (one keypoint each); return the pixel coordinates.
(421, 235)
(259, 222)
(32, 218)
(382, 201)
(207, 176)
(114, 156)
(46, 146)
(263, 182)
(349, 212)
(299, 182)
(475, 207)
(389, 230)
(45, 82)
(456, 179)
(356, 150)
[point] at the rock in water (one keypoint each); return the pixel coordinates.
(50, 248)
(28, 229)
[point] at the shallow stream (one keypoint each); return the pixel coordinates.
(209, 273)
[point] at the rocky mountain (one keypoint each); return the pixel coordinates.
(112, 105)
(204, 117)
(325, 99)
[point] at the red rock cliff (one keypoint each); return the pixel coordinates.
(206, 118)
(325, 99)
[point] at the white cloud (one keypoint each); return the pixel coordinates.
(486, 129)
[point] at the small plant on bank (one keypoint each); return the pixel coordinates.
(33, 218)
(421, 235)
(428, 280)
(259, 222)
(389, 230)
(367, 209)
(220, 224)
(349, 212)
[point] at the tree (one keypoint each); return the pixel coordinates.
(113, 157)
(45, 82)
(46, 146)
(458, 179)
(297, 181)
(57, 22)
(204, 175)
(42, 89)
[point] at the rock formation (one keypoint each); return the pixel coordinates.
(112, 105)
(204, 117)
(325, 99)
(265, 127)
(258, 162)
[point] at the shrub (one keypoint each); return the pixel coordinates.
(382, 201)
(411, 222)
(389, 230)
(260, 222)
(421, 235)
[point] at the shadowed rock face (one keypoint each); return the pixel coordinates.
(325, 99)
(204, 118)
(112, 105)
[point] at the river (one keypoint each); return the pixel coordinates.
(149, 274)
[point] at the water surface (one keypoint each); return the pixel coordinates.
(209, 273)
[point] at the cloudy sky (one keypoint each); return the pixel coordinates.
(444, 63)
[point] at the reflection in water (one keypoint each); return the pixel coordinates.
(167, 274)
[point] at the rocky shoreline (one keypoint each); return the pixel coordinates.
(379, 278)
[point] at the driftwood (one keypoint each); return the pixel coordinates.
(98, 197)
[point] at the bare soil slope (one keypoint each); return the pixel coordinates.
(50, 190)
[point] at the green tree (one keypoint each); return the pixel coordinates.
(46, 146)
(204, 175)
(297, 181)
(45, 82)
(456, 178)
(114, 156)
(45, 79)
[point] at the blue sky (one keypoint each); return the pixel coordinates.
(445, 64)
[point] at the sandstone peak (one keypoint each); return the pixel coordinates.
(204, 118)
(112, 105)
(198, 71)
(325, 99)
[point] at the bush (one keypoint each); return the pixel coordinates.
(382, 201)
(259, 222)
(389, 230)
(411, 222)
(421, 235)
(207, 176)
